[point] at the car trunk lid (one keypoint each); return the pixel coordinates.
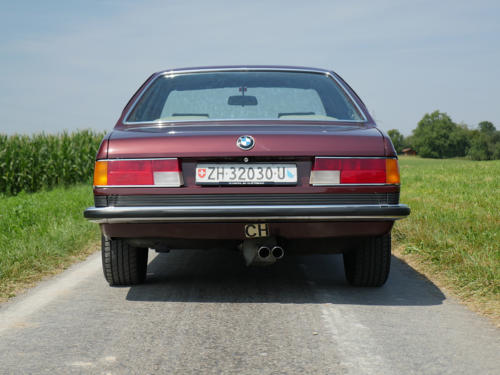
(271, 141)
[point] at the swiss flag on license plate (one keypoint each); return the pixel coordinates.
(202, 172)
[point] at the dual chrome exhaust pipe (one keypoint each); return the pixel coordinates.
(258, 254)
(276, 251)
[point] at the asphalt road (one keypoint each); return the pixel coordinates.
(206, 313)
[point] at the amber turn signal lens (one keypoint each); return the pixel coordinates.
(101, 173)
(392, 172)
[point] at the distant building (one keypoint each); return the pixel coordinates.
(409, 151)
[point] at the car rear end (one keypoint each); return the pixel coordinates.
(296, 178)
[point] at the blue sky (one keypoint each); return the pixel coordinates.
(74, 64)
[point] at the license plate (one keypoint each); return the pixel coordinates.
(256, 230)
(246, 174)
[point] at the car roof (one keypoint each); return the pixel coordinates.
(246, 67)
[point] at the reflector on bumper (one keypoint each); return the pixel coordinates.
(325, 178)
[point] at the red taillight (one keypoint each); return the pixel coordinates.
(334, 171)
(130, 172)
(153, 172)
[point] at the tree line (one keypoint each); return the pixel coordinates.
(437, 136)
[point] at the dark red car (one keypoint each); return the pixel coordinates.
(270, 160)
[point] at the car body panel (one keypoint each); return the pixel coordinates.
(279, 140)
(234, 231)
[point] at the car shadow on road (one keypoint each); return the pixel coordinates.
(222, 276)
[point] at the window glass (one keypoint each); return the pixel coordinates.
(266, 95)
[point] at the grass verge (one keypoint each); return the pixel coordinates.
(41, 234)
(453, 233)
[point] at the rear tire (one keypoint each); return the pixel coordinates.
(123, 264)
(369, 265)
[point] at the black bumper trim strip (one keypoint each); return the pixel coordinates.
(243, 199)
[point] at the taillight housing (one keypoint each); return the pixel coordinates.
(339, 171)
(138, 172)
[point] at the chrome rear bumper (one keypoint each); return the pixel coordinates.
(267, 213)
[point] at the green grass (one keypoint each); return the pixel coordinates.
(453, 231)
(41, 233)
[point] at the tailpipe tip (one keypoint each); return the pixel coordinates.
(264, 252)
(278, 252)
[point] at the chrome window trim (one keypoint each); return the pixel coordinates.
(173, 73)
(317, 122)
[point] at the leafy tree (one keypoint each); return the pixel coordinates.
(409, 142)
(398, 140)
(485, 142)
(461, 139)
(479, 147)
(437, 136)
(486, 127)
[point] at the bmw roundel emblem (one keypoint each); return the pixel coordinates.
(245, 142)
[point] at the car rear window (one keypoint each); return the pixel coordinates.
(239, 95)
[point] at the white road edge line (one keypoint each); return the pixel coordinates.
(18, 311)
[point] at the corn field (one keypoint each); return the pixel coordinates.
(31, 163)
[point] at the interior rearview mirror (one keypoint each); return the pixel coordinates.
(242, 100)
